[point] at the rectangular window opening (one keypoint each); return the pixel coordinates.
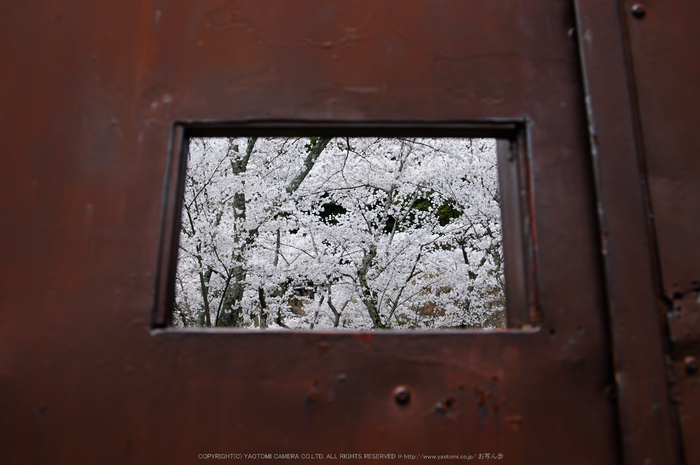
(346, 233)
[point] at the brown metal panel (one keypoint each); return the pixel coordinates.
(684, 329)
(665, 43)
(90, 95)
(640, 371)
(518, 246)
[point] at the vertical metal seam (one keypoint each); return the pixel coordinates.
(664, 301)
(650, 238)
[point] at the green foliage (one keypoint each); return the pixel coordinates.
(312, 143)
(447, 212)
(444, 213)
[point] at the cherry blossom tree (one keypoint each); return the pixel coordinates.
(354, 233)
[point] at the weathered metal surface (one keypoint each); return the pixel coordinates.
(518, 243)
(661, 45)
(684, 334)
(90, 94)
(664, 46)
(684, 325)
(646, 419)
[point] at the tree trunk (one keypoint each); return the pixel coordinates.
(369, 297)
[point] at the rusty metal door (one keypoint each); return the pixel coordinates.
(662, 42)
(93, 95)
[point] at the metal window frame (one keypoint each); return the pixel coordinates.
(522, 308)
